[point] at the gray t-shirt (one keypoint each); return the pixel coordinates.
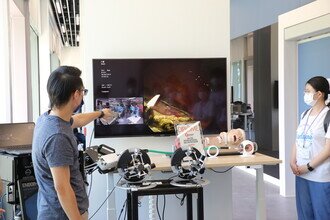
(54, 145)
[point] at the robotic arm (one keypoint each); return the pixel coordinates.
(187, 163)
(134, 165)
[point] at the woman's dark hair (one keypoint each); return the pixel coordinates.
(319, 83)
(62, 82)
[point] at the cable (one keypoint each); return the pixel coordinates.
(164, 207)
(126, 212)
(172, 177)
(222, 171)
(181, 199)
(105, 199)
(160, 152)
(158, 208)
(90, 139)
(220, 148)
(91, 166)
(91, 170)
(177, 197)
(122, 209)
(90, 185)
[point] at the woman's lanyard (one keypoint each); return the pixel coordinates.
(305, 131)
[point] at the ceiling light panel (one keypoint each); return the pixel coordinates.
(67, 16)
(58, 7)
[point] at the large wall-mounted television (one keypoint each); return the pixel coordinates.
(151, 95)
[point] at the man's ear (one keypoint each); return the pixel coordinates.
(75, 95)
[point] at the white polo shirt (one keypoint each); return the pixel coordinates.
(310, 141)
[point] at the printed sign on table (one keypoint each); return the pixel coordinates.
(190, 135)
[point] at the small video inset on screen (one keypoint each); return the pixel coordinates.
(127, 110)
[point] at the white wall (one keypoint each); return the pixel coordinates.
(292, 28)
(71, 56)
(238, 49)
(248, 16)
(34, 9)
(49, 42)
(135, 29)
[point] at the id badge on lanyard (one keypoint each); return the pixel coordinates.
(305, 137)
(304, 145)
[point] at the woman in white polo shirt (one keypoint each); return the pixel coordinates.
(310, 160)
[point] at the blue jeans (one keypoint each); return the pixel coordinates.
(312, 199)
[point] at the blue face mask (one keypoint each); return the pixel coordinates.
(78, 109)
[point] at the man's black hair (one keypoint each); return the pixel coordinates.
(62, 83)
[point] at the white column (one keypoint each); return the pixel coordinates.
(44, 55)
(5, 96)
(18, 69)
(288, 111)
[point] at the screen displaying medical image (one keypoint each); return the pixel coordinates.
(189, 90)
(128, 110)
(167, 91)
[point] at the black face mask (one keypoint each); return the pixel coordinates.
(78, 109)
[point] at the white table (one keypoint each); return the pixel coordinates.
(256, 162)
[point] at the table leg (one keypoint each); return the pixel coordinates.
(135, 206)
(129, 206)
(189, 206)
(200, 205)
(111, 202)
(260, 192)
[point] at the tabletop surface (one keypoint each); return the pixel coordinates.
(163, 162)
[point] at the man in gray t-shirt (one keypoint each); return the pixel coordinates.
(62, 194)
